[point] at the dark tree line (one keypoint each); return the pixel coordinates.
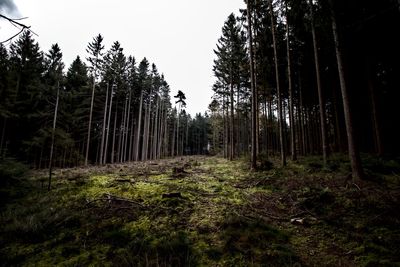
(110, 110)
(301, 77)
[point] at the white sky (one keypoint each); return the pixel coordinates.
(177, 35)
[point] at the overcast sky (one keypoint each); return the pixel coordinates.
(177, 35)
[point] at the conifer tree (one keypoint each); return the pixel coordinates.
(95, 50)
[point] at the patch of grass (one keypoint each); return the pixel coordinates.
(248, 241)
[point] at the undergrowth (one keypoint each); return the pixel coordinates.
(212, 213)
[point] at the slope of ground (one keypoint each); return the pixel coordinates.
(203, 211)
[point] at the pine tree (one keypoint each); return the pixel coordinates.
(319, 87)
(54, 74)
(94, 49)
(254, 95)
(181, 103)
(28, 99)
(74, 113)
(230, 54)
(4, 95)
(279, 93)
(354, 153)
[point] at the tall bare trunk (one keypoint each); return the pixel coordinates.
(232, 123)
(139, 128)
(354, 154)
(238, 137)
(121, 133)
(146, 120)
(103, 132)
(124, 130)
(132, 143)
(374, 112)
(90, 120)
(281, 133)
(161, 131)
(148, 130)
(155, 134)
(114, 132)
(320, 93)
(127, 129)
(303, 119)
(173, 141)
(291, 105)
(108, 124)
(177, 129)
(253, 91)
(52, 137)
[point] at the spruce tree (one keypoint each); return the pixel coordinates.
(94, 49)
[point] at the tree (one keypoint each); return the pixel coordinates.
(281, 122)
(253, 89)
(95, 53)
(143, 84)
(115, 66)
(54, 73)
(319, 86)
(4, 94)
(354, 154)
(181, 103)
(290, 84)
(26, 94)
(35, 97)
(231, 56)
(75, 107)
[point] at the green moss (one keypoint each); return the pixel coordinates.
(213, 223)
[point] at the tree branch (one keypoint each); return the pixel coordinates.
(17, 24)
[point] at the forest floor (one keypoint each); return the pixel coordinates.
(203, 211)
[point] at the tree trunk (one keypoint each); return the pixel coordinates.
(121, 133)
(253, 91)
(291, 105)
(155, 132)
(177, 129)
(114, 133)
(302, 118)
(281, 133)
(173, 140)
(52, 137)
(374, 112)
(90, 120)
(103, 132)
(148, 129)
(139, 128)
(108, 124)
(161, 129)
(146, 120)
(238, 137)
(339, 142)
(354, 154)
(320, 93)
(232, 121)
(127, 140)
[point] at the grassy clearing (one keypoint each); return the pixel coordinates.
(203, 211)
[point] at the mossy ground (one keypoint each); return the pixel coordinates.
(222, 215)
